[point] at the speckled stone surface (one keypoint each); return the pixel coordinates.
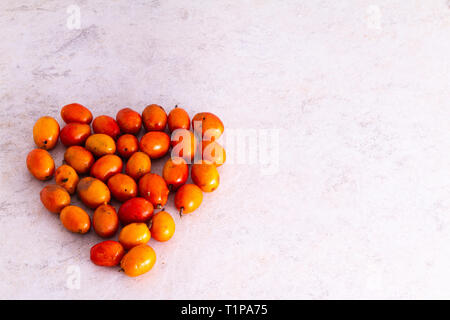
(358, 205)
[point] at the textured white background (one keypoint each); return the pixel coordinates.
(360, 205)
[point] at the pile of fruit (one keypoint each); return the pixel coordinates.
(94, 169)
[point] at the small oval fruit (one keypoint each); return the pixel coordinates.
(54, 198)
(178, 119)
(79, 158)
(93, 192)
(106, 125)
(127, 145)
(155, 144)
(106, 166)
(153, 188)
(175, 173)
(107, 253)
(122, 187)
(40, 164)
(138, 260)
(129, 121)
(134, 234)
(188, 198)
(212, 126)
(75, 219)
(100, 144)
(162, 226)
(75, 112)
(184, 144)
(213, 152)
(75, 134)
(105, 221)
(46, 133)
(138, 165)
(205, 176)
(67, 177)
(135, 210)
(154, 118)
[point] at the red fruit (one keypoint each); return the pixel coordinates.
(107, 253)
(106, 125)
(135, 210)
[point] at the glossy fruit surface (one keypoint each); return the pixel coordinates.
(40, 164)
(93, 192)
(188, 198)
(54, 198)
(107, 253)
(155, 144)
(138, 260)
(138, 165)
(184, 144)
(163, 226)
(127, 145)
(75, 134)
(106, 125)
(154, 118)
(46, 133)
(79, 158)
(135, 210)
(178, 119)
(67, 177)
(75, 112)
(106, 166)
(75, 219)
(134, 234)
(153, 188)
(175, 173)
(212, 126)
(205, 176)
(105, 221)
(100, 144)
(213, 152)
(129, 121)
(122, 187)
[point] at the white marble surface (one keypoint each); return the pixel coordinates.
(359, 91)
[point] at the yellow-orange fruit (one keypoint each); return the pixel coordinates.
(155, 144)
(162, 226)
(138, 165)
(127, 144)
(100, 144)
(46, 133)
(138, 260)
(75, 219)
(122, 187)
(106, 167)
(40, 164)
(134, 234)
(205, 176)
(79, 158)
(213, 152)
(178, 119)
(212, 126)
(106, 125)
(67, 177)
(188, 198)
(184, 144)
(93, 192)
(105, 221)
(54, 198)
(154, 118)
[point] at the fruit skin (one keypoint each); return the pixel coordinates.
(212, 126)
(40, 164)
(138, 165)
(184, 144)
(153, 188)
(93, 192)
(213, 152)
(100, 144)
(178, 119)
(154, 118)
(106, 166)
(127, 145)
(107, 253)
(67, 177)
(75, 134)
(188, 198)
(134, 234)
(46, 133)
(135, 210)
(155, 144)
(76, 112)
(175, 173)
(129, 121)
(122, 187)
(205, 176)
(79, 158)
(75, 219)
(106, 125)
(163, 226)
(54, 198)
(138, 260)
(105, 221)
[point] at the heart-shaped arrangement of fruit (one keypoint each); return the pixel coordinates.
(93, 168)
